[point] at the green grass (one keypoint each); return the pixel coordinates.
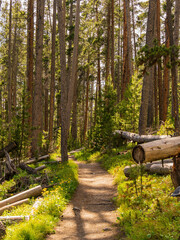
(146, 209)
(50, 208)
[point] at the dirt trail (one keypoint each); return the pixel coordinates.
(91, 213)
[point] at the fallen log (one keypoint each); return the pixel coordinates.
(14, 218)
(34, 160)
(156, 150)
(9, 148)
(33, 192)
(152, 168)
(31, 170)
(13, 205)
(140, 138)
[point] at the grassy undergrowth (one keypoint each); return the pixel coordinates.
(146, 209)
(44, 217)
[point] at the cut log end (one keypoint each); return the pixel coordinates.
(138, 154)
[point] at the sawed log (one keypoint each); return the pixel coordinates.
(34, 160)
(13, 205)
(140, 138)
(156, 150)
(33, 192)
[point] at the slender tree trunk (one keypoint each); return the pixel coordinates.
(166, 77)
(30, 40)
(127, 50)
(108, 42)
(112, 43)
(67, 96)
(87, 104)
(134, 34)
(159, 66)
(14, 69)
(155, 97)
(148, 77)
(38, 89)
(175, 113)
(98, 55)
(74, 114)
(10, 65)
(52, 84)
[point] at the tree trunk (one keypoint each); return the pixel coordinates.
(112, 43)
(159, 65)
(33, 192)
(37, 94)
(67, 96)
(156, 150)
(52, 87)
(30, 40)
(108, 42)
(175, 112)
(10, 66)
(140, 138)
(166, 77)
(87, 104)
(127, 50)
(148, 77)
(175, 174)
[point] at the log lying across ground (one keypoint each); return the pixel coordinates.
(13, 205)
(33, 192)
(34, 160)
(31, 170)
(156, 150)
(14, 218)
(158, 167)
(140, 138)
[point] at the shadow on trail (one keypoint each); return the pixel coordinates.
(92, 205)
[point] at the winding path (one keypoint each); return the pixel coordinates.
(91, 213)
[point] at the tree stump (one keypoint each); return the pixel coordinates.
(175, 175)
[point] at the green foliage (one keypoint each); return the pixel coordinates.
(129, 107)
(153, 214)
(148, 56)
(166, 128)
(50, 207)
(101, 136)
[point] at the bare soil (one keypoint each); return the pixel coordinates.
(91, 213)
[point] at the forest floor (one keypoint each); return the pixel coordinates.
(91, 213)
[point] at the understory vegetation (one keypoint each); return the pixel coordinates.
(44, 215)
(145, 206)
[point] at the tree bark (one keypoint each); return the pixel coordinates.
(37, 93)
(156, 150)
(30, 49)
(166, 77)
(10, 66)
(52, 87)
(175, 174)
(147, 88)
(33, 192)
(67, 96)
(175, 108)
(140, 138)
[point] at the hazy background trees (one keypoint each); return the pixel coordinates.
(60, 58)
